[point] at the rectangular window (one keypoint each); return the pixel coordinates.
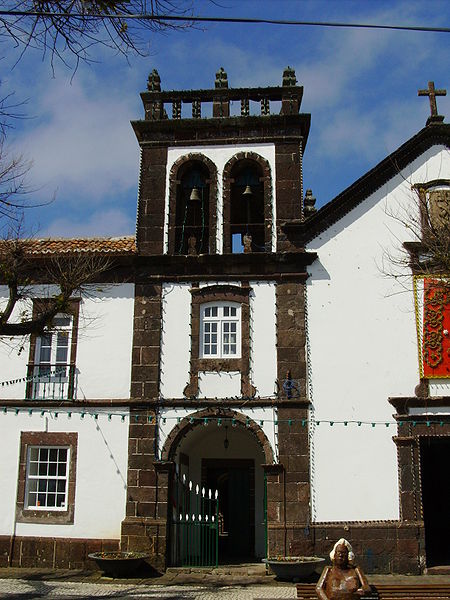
(220, 330)
(47, 477)
(52, 372)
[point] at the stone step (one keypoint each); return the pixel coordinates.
(248, 569)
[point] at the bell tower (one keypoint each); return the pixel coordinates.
(203, 204)
(219, 328)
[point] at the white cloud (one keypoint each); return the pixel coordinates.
(107, 223)
(82, 145)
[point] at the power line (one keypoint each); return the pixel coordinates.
(197, 19)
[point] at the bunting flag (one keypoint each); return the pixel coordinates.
(436, 329)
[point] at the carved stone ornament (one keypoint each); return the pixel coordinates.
(343, 580)
(439, 207)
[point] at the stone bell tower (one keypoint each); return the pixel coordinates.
(219, 334)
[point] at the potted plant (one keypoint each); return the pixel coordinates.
(118, 564)
(294, 568)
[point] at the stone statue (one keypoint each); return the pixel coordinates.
(247, 242)
(192, 245)
(343, 580)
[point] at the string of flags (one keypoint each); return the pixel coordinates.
(219, 421)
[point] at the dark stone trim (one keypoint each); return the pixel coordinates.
(220, 293)
(268, 197)
(42, 438)
(182, 429)
(273, 469)
(379, 546)
(152, 403)
(258, 265)
(403, 404)
(220, 94)
(232, 130)
(69, 404)
(371, 181)
(410, 431)
(52, 552)
(212, 200)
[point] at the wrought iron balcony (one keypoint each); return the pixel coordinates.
(51, 382)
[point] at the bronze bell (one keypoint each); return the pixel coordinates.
(248, 191)
(195, 196)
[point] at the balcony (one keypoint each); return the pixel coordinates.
(51, 382)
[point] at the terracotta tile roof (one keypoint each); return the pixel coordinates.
(119, 245)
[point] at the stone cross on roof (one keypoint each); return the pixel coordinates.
(431, 92)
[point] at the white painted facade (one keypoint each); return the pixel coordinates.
(220, 155)
(103, 358)
(176, 345)
(101, 471)
(363, 349)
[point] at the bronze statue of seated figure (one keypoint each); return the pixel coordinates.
(343, 580)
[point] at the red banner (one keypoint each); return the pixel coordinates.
(436, 329)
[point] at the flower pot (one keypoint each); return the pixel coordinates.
(118, 564)
(294, 568)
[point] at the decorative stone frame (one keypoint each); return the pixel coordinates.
(212, 202)
(267, 183)
(409, 467)
(51, 517)
(220, 293)
(195, 419)
(422, 190)
(74, 310)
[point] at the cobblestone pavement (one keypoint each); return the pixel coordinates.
(19, 589)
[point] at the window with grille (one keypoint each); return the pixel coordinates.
(47, 478)
(220, 330)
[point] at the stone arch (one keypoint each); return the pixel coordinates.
(173, 182)
(268, 193)
(195, 419)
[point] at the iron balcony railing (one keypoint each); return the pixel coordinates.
(51, 382)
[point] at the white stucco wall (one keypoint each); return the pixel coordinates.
(105, 336)
(220, 155)
(176, 344)
(263, 349)
(102, 454)
(175, 339)
(363, 349)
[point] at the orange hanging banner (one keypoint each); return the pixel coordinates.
(436, 329)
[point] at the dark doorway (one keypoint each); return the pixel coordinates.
(435, 460)
(234, 480)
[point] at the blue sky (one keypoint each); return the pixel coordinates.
(360, 87)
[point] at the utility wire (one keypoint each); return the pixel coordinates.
(194, 19)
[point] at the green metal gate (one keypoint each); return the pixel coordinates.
(195, 525)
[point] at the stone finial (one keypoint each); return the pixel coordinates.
(154, 82)
(289, 78)
(309, 203)
(221, 79)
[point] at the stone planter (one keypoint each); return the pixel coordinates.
(294, 568)
(118, 564)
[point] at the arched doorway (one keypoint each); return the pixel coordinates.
(225, 453)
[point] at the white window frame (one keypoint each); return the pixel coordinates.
(56, 477)
(56, 381)
(223, 325)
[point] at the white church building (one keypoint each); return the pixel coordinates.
(251, 377)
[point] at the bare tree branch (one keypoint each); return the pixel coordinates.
(68, 29)
(72, 275)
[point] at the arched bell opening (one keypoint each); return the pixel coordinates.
(247, 218)
(223, 454)
(192, 209)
